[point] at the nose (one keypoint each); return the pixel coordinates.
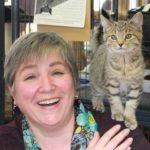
(120, 44)
(46, 84)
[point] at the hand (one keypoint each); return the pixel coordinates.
(111, 140)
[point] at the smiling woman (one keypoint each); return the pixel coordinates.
(37, 82)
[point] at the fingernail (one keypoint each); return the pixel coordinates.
(118, 126)
(126, 131)
(129, 148)
(96, 133)
(130, 140)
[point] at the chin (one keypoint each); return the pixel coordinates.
(50, 122)
(121, 50)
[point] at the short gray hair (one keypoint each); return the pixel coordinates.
(36, 44)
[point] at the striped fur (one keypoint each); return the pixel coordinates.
(117, 68)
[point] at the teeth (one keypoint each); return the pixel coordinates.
(47, 102)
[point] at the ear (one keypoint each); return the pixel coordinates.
(11, 91)
(137, 20)
(105, 14)
(106, 23)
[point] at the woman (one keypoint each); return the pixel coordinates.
(41, 75)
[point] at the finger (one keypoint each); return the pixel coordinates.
(94, 141)
(108, 135)
(125, 145)
(118, 139)
(129, 148)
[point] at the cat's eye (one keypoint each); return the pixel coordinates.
(113, 37)
(128, 36)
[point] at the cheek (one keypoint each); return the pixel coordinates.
(23, 93)
(134, 42)
(112, 44)
(29, 93)
(67, 85)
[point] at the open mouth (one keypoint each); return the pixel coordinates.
(48, 102)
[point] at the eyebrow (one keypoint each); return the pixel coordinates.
(27, 67)
(57, 63)
(50, 65)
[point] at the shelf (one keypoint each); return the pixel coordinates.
(23, 18)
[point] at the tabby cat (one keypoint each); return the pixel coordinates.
(117, 67)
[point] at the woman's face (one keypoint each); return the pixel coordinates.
(44, 90)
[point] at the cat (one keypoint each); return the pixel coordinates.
(117, 67)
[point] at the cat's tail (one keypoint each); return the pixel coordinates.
(97, 39)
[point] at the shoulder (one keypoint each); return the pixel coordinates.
(11, 135)
(105, 123)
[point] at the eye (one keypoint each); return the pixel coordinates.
(113, 37)
(128, 36)
(30, 77)
(57, 73)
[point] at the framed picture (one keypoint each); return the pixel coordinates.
(68, 13)
(7, 2)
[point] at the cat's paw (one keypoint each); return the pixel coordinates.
(131, 123)
(117, 116)
(99, 106)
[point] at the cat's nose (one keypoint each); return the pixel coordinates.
(120, 45)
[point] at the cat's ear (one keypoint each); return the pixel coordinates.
(137, 20)
(106, 23)
(105, 14)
